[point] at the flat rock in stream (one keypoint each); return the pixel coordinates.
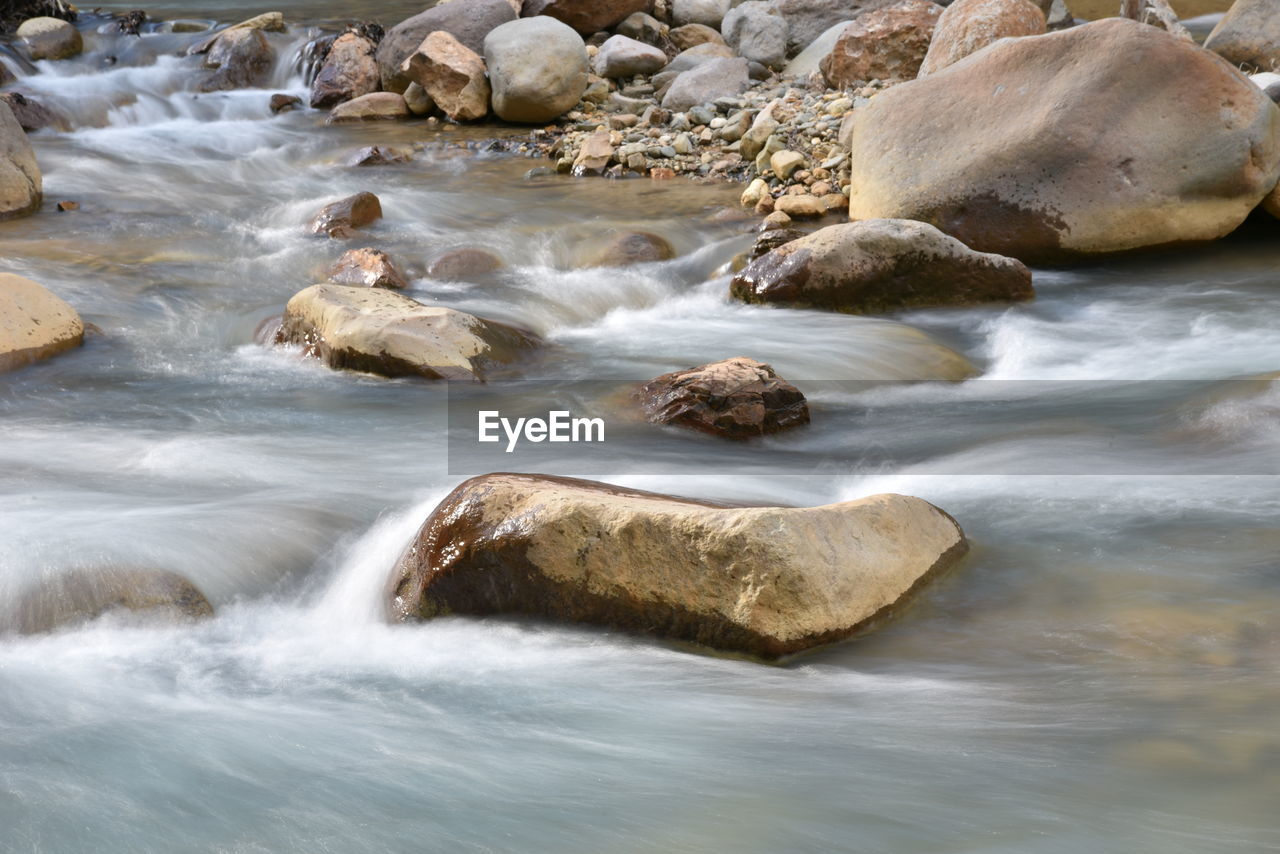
(374, 107)
(762, 581)
(381, 332)
(238, 59)
(341, 219)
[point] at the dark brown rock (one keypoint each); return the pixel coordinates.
(31, 114)
(239, 58)
(880, 265)
(84, 595)
(626, 248)
(282, 103)
(341, 219)
(349, 71)
(586, 16)
(737, 398)
(370, 268)
(462, 264)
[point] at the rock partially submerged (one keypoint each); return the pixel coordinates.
(368, 267)
(341, 219)
(349, 71)
(1151, 141)
(374, 107)
(34, 323)
(736, 398)
(463, 263)
(762, 581)
(877, 266)
(84, 595)
(622, 249)
(21, 184)
(381, 332)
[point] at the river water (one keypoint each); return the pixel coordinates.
(1100, 675)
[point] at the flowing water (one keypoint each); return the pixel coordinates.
(1100, 675)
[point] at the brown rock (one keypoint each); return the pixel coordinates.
(34, 323)
(586, 16)
(85, 595)
(764, 581)
(624, 249)
(1272, 202)
(469, 22)
(692, 35)
(377, 155)
(375, 107)
(349, 71)
(240, 58)
(20, 180)
(370, 268)
(880, 265)
(463, 264)
(282, 103)
(342, 218)
(771, 239)
(381, 332)
(31, 114)
(64, 207)
(737, 398)
(802, 206)
(968, 26)
(1150, 141)
(1249, 35)
(452, 74)
(885, 44)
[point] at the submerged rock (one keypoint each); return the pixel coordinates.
(880, 265)
(21, 184)
(737, 398)
(968, 26)
(85, 595)
(344, 217)
(462, 264)
(349, 71)
(763, 581)
(452, 75)
(469, 22)
(239, 58)
(537, 68)
(586, 16)
(1249, 35)
(31, 114)
(34, 323)
(886, 44)
(1151, 141)
(369, 267)
(624, 249)
(381, 332)
(50, 38)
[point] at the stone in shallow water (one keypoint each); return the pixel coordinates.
(349, 71)
(464, 263)
(452, 76)
(763, 581)
(369, 267)
(737, 398)
(34, 323)
(344, 217)
(85, 595)
(50, 38)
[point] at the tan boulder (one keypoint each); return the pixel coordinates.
(884, 44)
(21, 184)
(341, 219)
(83, 595)
(371, 268)
(1249, 35)
(1106, 137)
(594, 155)
(877, 266)
(50, 38)
(967, 26)
(623, 249)
(452, 75)
(239, 58)
(763, 581)
(34, 323)
(736, 398)
(349, 71)
(374, 107)
(381, 332)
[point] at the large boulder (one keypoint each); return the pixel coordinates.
(709, 13)
(968, 26)
(1249, 35)
(452, 75)
(757, 32)
(34, 323)
(267, 22)
(886, 44)
(348, 71)
(239, 58)
(586, 16)
(20, 180)
(381, 332)
(537, 68)
(469, 22)
(1106, 137)
(880, 265)
(763, 581)
(84, 595)
(736, 398)
(626, 57)
(717, 78)
(808, 19)
(50, 38)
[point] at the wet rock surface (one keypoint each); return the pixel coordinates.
(737, 398)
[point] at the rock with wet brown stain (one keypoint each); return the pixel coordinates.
(622, 249)
(34, 323)
(463, 263)
(381, 332)
(877, 266)
(1150, 141)
(1249, 35)
(238, 59)
(368, 267)
(84, 595)
(341, 219)
(736, 398)
(452, 75)
(884, 44)
(760, 581)
(349, 71)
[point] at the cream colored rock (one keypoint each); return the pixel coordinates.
(21, 184)
(34, 323)
(451, 74)
(374, 107)
(764, 581)
(50, 38)
(967, 26)
(381, 332)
